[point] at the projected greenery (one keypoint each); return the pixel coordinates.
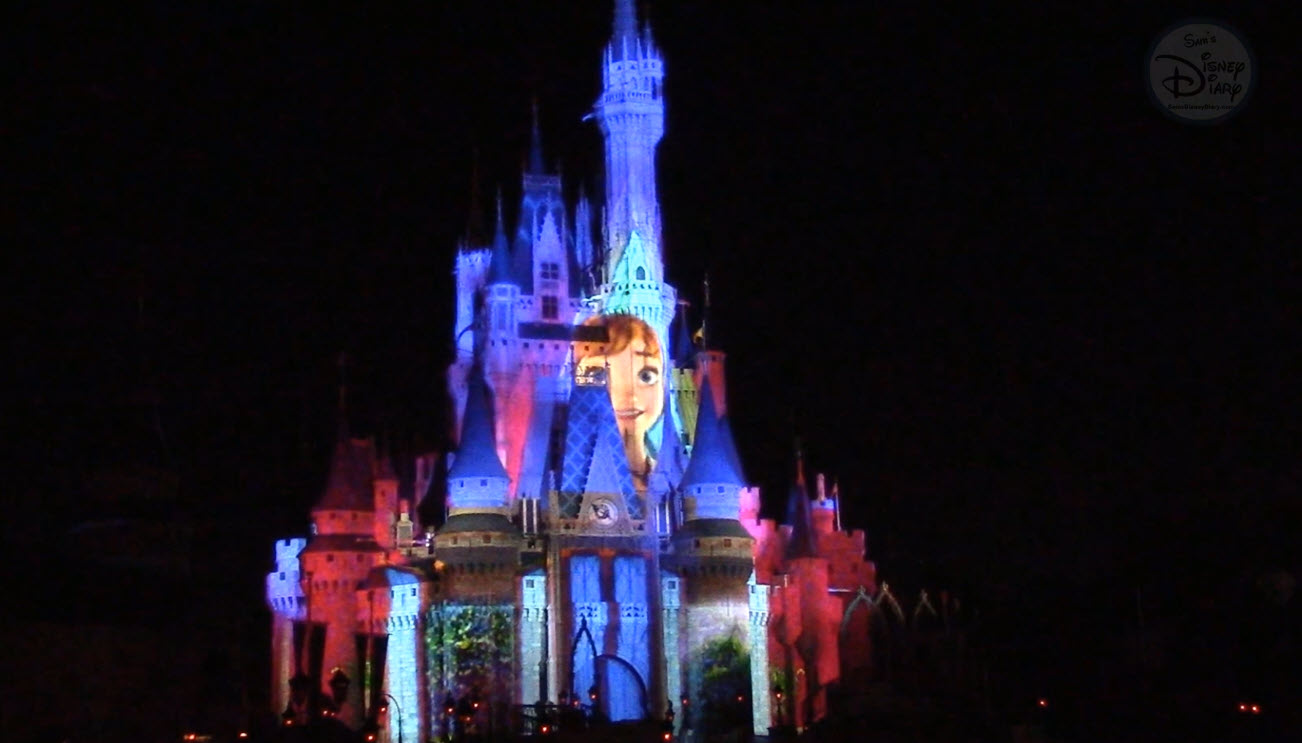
(725, 685)
(470, 650)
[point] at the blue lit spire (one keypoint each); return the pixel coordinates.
(625, 20)
(499, 267)
(631, 113)
(477, 451)
(535, 145)
(710, 479)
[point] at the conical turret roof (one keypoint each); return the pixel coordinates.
(710, 463)
(477, 452)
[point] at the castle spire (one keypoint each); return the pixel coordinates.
(710, 464)
(631, 114)
(625, 20)
(348, 484)
(801, 541)
(682, 343)
(477, 450)
(499, 268)
(535, 144)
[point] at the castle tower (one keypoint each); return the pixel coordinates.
(712, 483)
(502, 297)
(477, 551)
(714, 555)
(477, 481)
(541, 265)
(810, 614)
(334, 563)
(631, 113)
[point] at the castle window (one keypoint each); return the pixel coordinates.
(483, 483)
(413, 592)
(550, 308)
(550, 271)
(641, 274)
(488, 539)
(727, 543)
(528, 583)
(720, 488)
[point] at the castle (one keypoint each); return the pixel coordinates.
(599, 542)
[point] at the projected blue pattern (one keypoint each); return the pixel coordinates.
(623, 690)
(590, 417)
(589, 619)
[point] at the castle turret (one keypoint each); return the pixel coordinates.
(631, 112)
(711, 483)
(337, 558)
(477, 481)
(539, 247)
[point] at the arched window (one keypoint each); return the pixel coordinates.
(641, 274)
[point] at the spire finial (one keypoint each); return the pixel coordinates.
(625, 19)
(535, 144)
(699, 337)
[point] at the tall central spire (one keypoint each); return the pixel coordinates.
(625, 20)
(631, 112)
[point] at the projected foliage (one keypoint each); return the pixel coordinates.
(470, 649)
(725, 684)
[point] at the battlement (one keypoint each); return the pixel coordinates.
(287, 551)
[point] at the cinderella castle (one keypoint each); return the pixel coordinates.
(599, 546)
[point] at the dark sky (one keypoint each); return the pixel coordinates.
(1039, 331)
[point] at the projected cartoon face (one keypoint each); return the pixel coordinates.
(635, 379)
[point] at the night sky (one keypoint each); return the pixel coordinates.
(1042, 335)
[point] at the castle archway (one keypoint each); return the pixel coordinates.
(621, 689)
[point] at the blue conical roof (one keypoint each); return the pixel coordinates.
(710, 463)
(730, 448)
(477, 452)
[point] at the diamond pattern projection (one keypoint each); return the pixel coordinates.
(586, 464)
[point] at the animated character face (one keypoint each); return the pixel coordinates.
(635, 379)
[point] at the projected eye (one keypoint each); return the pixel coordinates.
(648, 375)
